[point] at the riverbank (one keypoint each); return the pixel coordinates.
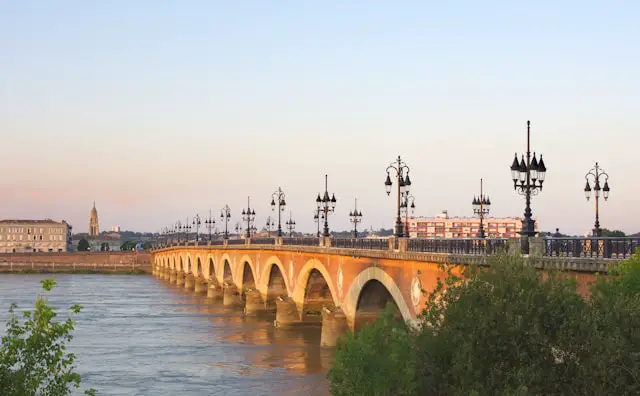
(122, 263)
(79, 271)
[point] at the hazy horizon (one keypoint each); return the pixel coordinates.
(161, 110)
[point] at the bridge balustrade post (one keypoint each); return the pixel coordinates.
(279, 241)
(403, 244)
(326, 242)
(247, 241)
(514, 247)
(392, 243)
(536, 246)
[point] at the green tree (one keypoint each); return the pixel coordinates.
(83, 245)
(128, 245)
(605, 232)
(380, 360)
(33, 357)
(505, 329)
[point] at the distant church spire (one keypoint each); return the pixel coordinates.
(94, 227)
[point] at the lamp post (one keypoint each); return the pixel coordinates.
(187, 230)
(196, 222)
(270, 223)
(209, 223)
(318, 216)
(326, 205)
(528, 177)
(405, 206)
(225, 216)
(481, 207)
(279, 196)
(179, 231)
(355, 218)
(291, 225)
(249, 215)
(404, 184)
(595, 174)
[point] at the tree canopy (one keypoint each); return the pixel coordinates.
(83, 245)
(33, 356)
(505, 329)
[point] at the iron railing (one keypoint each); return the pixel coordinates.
(456, 246)
(235, 241)
(301, 241)
(610, 248)
(217, 241)
(360, 243)
(263, 241)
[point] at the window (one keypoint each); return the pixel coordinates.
(20, 237)
(40, 237)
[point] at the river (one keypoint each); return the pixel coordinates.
(138, 335)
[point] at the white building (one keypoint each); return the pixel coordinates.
(21, 236)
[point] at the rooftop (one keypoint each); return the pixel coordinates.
(33, 222)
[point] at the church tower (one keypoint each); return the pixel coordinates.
(94, 228)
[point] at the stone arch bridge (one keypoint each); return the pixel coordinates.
(339, 288)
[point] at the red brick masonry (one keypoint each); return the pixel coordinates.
(75, 261)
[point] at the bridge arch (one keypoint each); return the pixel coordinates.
(211, 268)
(315, 278)
(189, 269)
(274, 281)
(227, 273)
(198, 267)
(181, 266)
(220, 266)
(373, 277)
(247, 274)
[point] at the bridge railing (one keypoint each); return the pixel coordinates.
(217, 242)
(235, 241)
(591, 247)
(456, 246)
(263, 241)
(300, 241)
(360, 243)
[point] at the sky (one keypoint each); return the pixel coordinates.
(159, 110)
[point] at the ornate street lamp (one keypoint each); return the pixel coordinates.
(528, 177)
(404, 184)
(196, 222)
(210, 223)
(326, 205)
(318, 216)
(355, 218)
(481, 206)
(291, 225)
(596, 173)
(225, 216)
(270, 223)
(187, 230)
(249, 216)
(407, 203)
(279, 197)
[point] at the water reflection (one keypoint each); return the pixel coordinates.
(142, 336)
